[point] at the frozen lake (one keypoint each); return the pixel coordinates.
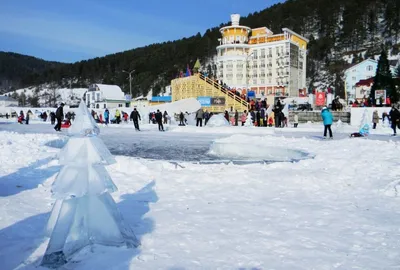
(170, 146)
(192, 146)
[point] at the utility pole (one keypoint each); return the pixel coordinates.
(130, 80)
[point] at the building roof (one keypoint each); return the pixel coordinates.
(111, 91)
(354, 65)
(161, 99)
(6, 98)
(366, 82)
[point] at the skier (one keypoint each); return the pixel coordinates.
(394, 115)
(159, 117)
(327, 117)
(135, 117)
(59, 116)
(199, 117)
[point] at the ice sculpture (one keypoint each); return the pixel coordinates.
(365, 120)
(84, 213)
(84, 124)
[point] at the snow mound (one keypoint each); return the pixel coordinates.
(233, 149)
(217, 120)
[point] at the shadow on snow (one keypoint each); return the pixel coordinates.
(27, 178)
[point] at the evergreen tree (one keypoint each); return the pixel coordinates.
(383, 80)
(22, 99)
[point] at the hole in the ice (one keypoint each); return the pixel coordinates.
(202, 153)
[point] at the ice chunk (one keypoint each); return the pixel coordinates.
(82, 179)
(84, 123)
(83, 150)
(217, 120)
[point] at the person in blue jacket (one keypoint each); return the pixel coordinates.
(106, 116)
(327, 117)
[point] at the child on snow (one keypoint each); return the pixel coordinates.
(364, 131)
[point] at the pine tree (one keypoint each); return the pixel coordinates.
(383, 80)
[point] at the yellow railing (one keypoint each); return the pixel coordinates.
(224, 90)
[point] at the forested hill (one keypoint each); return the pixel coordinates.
(337, 29)
(15, 67)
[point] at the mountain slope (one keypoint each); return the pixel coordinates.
(15, 67)
(337, 30)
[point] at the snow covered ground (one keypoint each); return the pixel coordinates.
(335, 208)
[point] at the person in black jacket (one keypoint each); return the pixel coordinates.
(59, 117)
(394, 115)
(181, 119)
(159, 118)
(135, 117)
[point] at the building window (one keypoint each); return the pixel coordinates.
(97, 96)
(105, 106)
(97, 106)
(255, 54)
(93, 98)
(354, 78)
(370, 68)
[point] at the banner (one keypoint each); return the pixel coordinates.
(302, 92)
(218, 101)
(320, 99)
(204, 101)
(380, 97)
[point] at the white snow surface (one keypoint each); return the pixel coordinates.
(337, 210)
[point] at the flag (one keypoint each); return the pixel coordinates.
(188, 72)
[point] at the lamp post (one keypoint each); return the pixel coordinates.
(130, 80)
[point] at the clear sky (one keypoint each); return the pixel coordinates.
(73, 30)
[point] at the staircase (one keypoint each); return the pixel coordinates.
(201, 86)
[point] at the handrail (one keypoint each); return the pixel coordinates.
(224, 90)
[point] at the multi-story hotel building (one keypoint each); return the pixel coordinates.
(261, 61)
